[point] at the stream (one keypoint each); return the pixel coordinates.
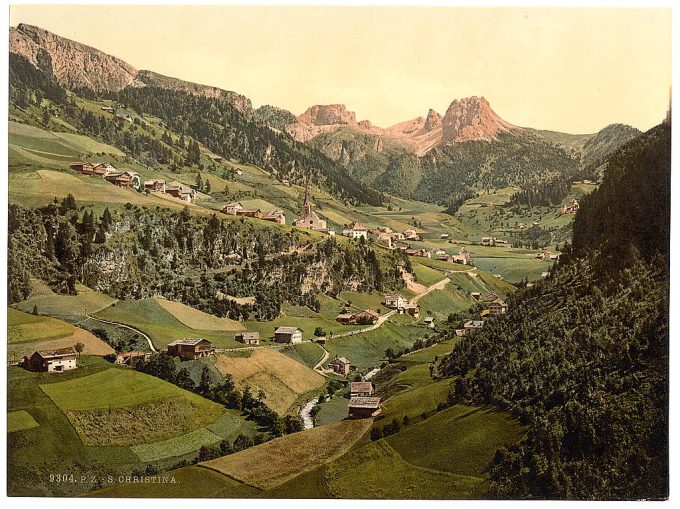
(305, 412)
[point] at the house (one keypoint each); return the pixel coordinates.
(401, 246)
(444, 236)
(320, 341)
(236, 170)
(340, 365)
(84, 168)
(108, 109)
(52, 361)
(545, 274)
(248, 338)
(411, 235)
(544, 256)
(361, 408)
(128, 358)
(103, 169)
(125, 117)
(275, 216)
(423, 253)
(410, 309)
(395, 301)
(462, 257)
(184, 194)
(360, 389)
(124, 179)
(190, 348)
(309, 218)
(232, 208)
(440, 252)
(460, 332)
(429, 322)
(570, 208)
(497, 307)
(290, 335)
(366, 317)
(476, 295)
(355, 231)
(256, 213)
(472, 326)
(155, 185)
(385, 239)
(217, 159)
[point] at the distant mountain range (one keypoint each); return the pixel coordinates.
(436, 158)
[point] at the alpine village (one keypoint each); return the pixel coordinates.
(453, 307)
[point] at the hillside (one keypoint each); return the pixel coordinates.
(584, 355)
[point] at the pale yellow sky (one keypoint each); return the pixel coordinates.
(571, 70)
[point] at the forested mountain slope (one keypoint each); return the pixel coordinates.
(582, 358)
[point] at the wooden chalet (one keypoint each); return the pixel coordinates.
(361, 389)
(366, 317)
(103, 169)
(190, 348)
(248, 338)
(52, 361)
(84, 168)
(362, 407)
(395, 301)
(429, 322)
(155, 185)
(275, 216)
(463, 257)
(410, 309)
(497, 307)
(256, 213)
(290, 335)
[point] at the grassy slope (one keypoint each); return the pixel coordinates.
(24, 327)
(282, 379)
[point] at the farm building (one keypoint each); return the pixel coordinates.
(155, 185)
(423, 253)
(429, 321)
(476, 295)
(190, 348)
(366, 317)
(571, 208)
(492, 297)
(84, 168)
(411, 235)
(384, 239)
(275, 216)
(395, 301)
(410, 309)
(180, 192)
(463, 257)
(444, 236)
(360, 389)
(248, 338)
(361, 408)
(472, 326)
(103, 169)
(232, 207)
(128, 358)
(52, 361)
(355, 231)
(290, 335)
(124, 179)
(340, 365)
(256, 213)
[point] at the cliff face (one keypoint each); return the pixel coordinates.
(74, 65)
(472, 119)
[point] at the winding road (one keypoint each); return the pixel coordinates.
(148, 339)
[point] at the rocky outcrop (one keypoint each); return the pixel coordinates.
(472, 119)
(466, 119)
(74, 65)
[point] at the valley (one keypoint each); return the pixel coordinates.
(200, 291)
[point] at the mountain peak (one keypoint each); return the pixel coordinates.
(472, 118)
(328, 114)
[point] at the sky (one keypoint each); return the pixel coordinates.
(569, 70)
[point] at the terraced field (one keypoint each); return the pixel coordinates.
(198, 320)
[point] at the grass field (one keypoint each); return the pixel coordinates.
(162, 327)
(282, 379)
(195, 319)
(425, 275)
(368, 349)
(19, 421)
(190, 482)
(460, 439)
(333, 410)
(377, 471)
(176, 446)
(124, 407)
(270, 464)
(71, 307)
(306, 353)
(24, 327)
